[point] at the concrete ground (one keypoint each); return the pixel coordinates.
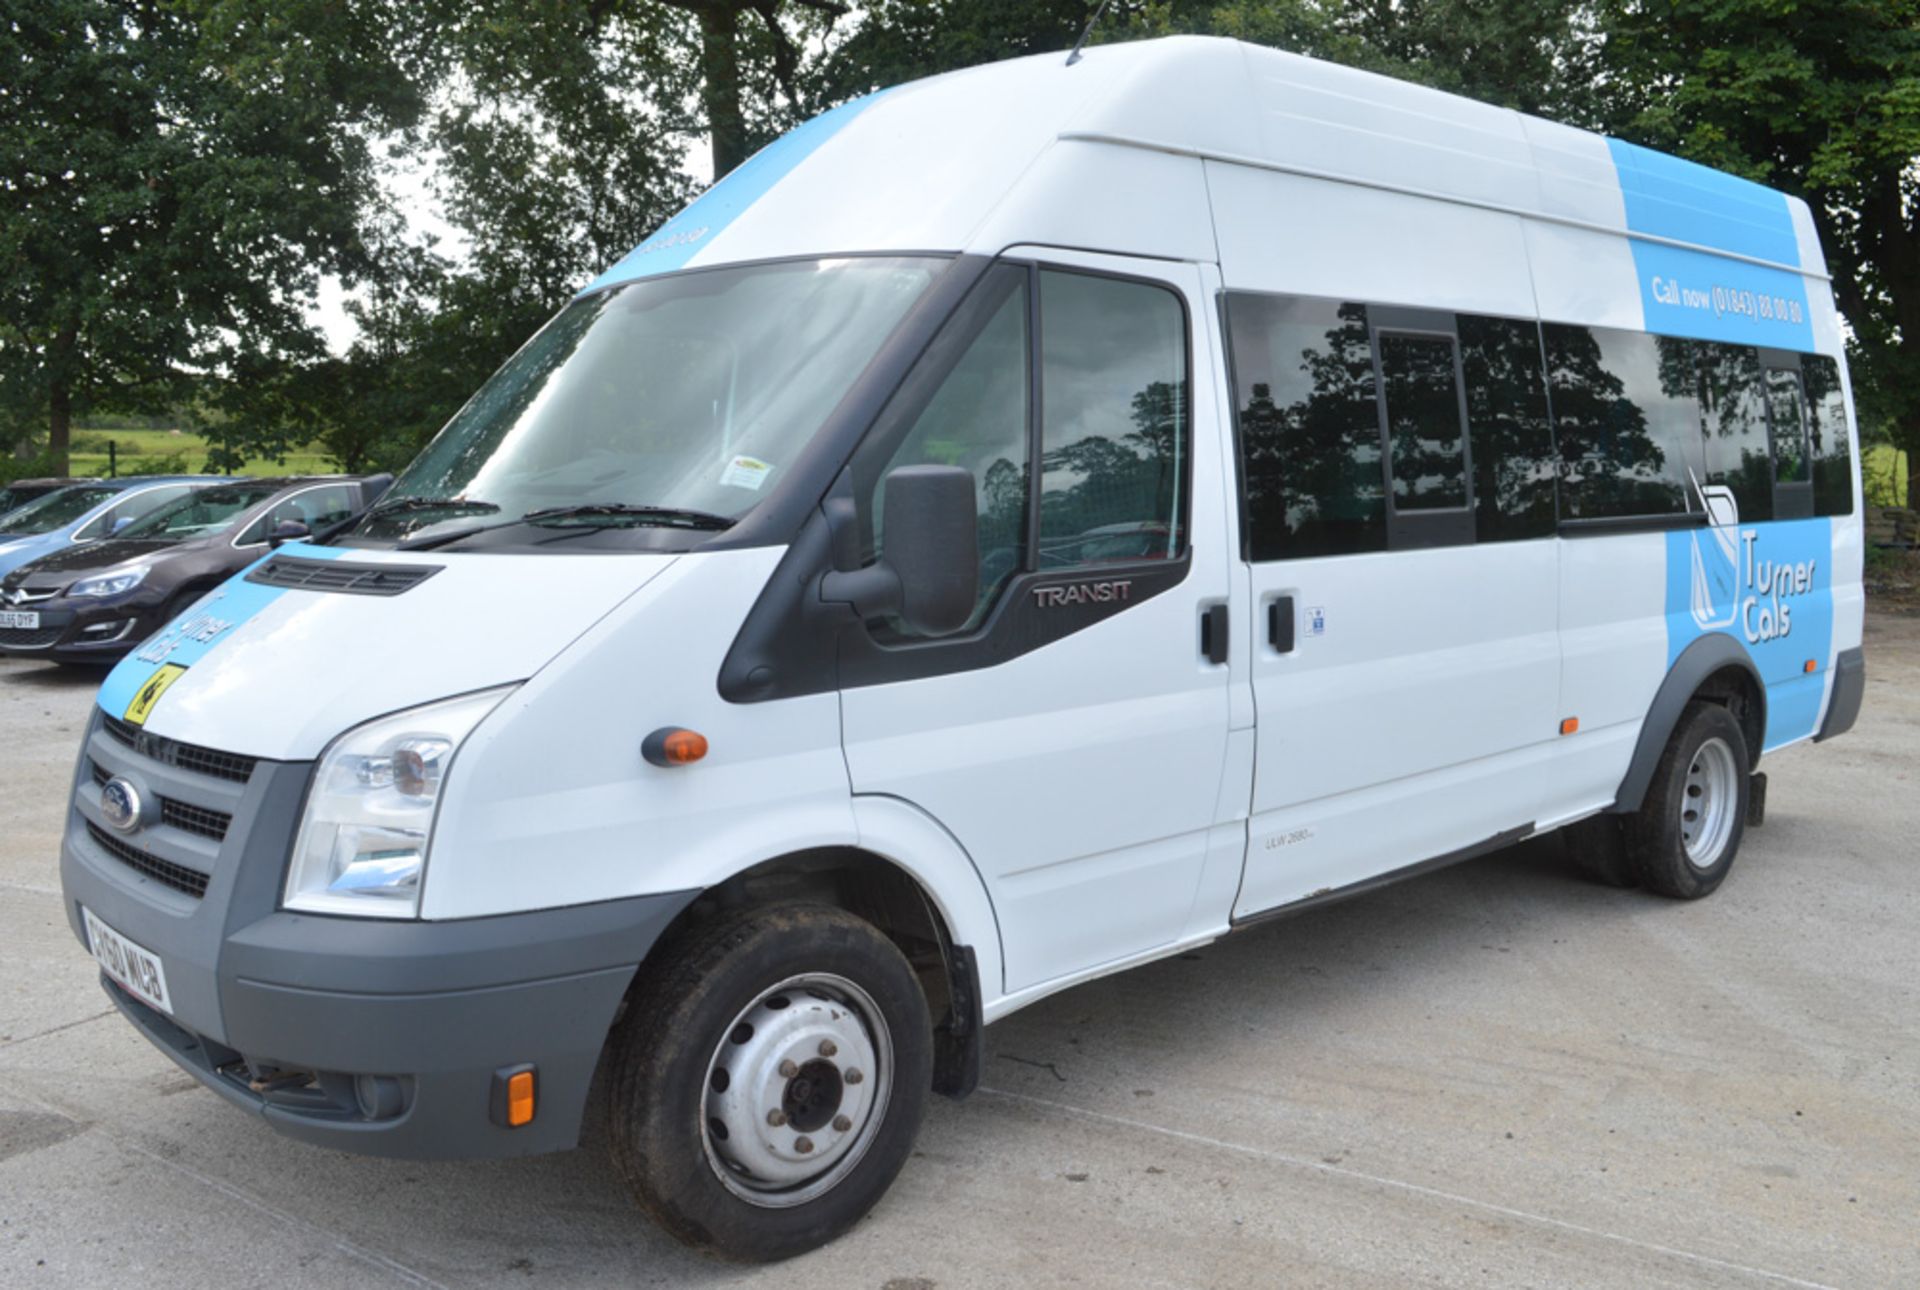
(1495, 1075)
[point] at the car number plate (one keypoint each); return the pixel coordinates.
(25, 618)
(133, 966)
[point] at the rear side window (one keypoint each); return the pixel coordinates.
(1309, 421)
(1627, 417)
(1515, 468)
(1733, 405)
(1831, 444)
(1789, 427)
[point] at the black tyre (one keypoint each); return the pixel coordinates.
(1687, 832)
(768, 1079)
(1598, 845)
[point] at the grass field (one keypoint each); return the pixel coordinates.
(173, 452)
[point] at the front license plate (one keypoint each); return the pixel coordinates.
(133, 966)
(22, 618)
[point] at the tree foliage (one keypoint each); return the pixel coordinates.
(174, 178)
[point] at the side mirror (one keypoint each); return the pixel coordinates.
(119, 524)
(288, 531)
(929, 574)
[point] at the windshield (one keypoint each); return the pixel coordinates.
(688, 393)
(53, 511)
(207, 510)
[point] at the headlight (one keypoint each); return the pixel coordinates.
(362, 848)
(109, 584)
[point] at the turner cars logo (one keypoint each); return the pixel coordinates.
(1736, 581)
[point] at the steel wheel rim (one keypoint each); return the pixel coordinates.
(806, 1056)
(1708, 801)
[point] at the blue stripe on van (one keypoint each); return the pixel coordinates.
(680, 238)
(213, 620)
(1690, 293)
(1770, 587)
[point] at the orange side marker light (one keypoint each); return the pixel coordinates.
(1569, 725)
(520, 1099)
(1811, 664)
(673, 746)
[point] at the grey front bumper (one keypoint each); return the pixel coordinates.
(282, 1013)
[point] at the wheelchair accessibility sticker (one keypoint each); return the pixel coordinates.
(149, 694)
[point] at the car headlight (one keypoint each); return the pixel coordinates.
(362, 848)
(109, 584)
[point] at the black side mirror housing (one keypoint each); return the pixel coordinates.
(929, 574)
(288, 531)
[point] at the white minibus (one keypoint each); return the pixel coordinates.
(1019, 525)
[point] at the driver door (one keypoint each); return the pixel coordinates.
(1073, 736)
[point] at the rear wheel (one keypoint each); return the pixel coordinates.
(769, 1079)
(1687, 832)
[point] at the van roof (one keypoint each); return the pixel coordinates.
(954, 162)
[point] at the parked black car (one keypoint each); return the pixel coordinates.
(21, 491)
(97, 602)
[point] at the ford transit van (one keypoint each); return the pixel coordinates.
(1019, 525)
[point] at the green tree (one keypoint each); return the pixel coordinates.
(173, 180)
(1821, 100)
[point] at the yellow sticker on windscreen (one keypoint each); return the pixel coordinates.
(149, 694)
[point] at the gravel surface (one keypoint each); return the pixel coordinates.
(1493, 1075)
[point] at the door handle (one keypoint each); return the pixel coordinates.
(1280, 624)
(1213, 633)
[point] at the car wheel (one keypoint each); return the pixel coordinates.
(768, 1079)
(1687, 832)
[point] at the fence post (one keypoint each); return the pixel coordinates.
(113, 459)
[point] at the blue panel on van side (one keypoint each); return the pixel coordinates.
(680, 238)
(1770, 587)
(1690, 293)
(1688, 202)
(214, 619)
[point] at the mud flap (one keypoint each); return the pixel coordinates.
(1756, 799)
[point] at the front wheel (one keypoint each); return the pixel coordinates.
(768, 1079)
(1687, 832)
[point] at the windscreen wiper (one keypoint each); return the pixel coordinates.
(621, 512)
(403, 505)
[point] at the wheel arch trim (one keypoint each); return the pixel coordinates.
(1697, 663)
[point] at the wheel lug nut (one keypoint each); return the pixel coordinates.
(788, 1070)
(853, 1075)
(776, 1117)
(828, 1048)
(803, 1145)
(841, 1124)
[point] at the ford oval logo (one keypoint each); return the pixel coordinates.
(120, 803)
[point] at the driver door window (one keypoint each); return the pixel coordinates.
(1111, 440)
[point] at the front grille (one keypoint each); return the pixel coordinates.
(339, 575)
(182, 815)
(30, 637)
(178, 877)
(195, 819)
(169, 752)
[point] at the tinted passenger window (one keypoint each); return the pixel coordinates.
(1514, 465)
(1832, 446)
(1309, 423)
(1789, 427)
(1429, 448)
(1113, 380)
(1733, 401)
(977, 419)
(1627, 418)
